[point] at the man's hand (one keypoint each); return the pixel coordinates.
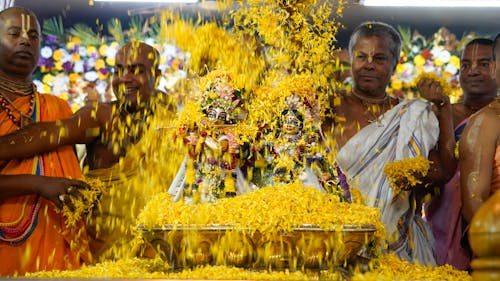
(58, 190)
(432, 91)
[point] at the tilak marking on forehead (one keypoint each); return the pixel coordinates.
(25, 25)
(475, 50)
(371, 53)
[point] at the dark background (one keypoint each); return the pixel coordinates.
(482, 21)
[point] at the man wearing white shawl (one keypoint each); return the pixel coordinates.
(371, 129)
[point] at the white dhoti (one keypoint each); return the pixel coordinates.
(408, 130)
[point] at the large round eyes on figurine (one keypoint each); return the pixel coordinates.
(211, 113)
(216, 114)
(222, 116)
(292, 120)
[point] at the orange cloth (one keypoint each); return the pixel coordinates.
(51, 245)
(495, 177)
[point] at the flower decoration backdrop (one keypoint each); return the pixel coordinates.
(76, 63)
(439, 54)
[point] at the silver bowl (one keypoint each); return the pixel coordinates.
(305, 247)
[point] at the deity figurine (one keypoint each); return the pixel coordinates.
(209, 171)
(295, 152)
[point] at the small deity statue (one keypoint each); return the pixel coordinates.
(209, 172)
(295, 151)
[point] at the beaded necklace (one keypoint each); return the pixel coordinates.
(10, 108)
(24, 88)
(16, 88)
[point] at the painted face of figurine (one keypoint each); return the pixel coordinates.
(292, 125)
(217, 115)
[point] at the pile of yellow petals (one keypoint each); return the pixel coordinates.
(389, 267)
(135, 268)
(83, 205)
(384, 268)
(267, 210)
(406, 173)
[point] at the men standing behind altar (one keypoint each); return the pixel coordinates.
(109, 131)
(372, 128)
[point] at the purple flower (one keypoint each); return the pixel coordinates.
(104, 71)
(47, 63)
(67, 66)
(41, 61)
(51, 39)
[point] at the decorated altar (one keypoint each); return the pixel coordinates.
(261, 122)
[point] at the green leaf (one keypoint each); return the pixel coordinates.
(136, 29)
(86, 34)
(54, 26)
(405, 33)
(115, 29)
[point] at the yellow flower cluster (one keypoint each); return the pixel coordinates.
(267, 210)
(445, 87)
(406, 173)
(83, 205)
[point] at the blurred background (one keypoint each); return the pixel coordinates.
(81, 38)
(426, 20)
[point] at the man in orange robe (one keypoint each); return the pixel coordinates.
(33, 233)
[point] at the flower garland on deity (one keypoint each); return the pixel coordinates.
(210, 171)
(289, 145)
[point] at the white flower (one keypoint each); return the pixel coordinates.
(163, 67)
(451, 69)
(430, 68)
(101, 87)
(46, 52)
(39, 86)
(415, 49)
(111, 52)
(169, 50)
(65, 56)
(78, 67)
(91, 76)
(91, 63)
(441, 54)
(82, 51)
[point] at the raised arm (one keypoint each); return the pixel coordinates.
(82, 127)
(477, 151)
(443, 159)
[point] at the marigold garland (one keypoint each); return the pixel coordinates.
(445, 87)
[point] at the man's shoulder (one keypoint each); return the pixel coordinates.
(490, 113)
(102, 111)
(51, 98)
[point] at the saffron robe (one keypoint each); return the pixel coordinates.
(33, 234)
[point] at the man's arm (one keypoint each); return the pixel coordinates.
(82, 127)
(477, 151)
(47, 187)
(443, 159)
